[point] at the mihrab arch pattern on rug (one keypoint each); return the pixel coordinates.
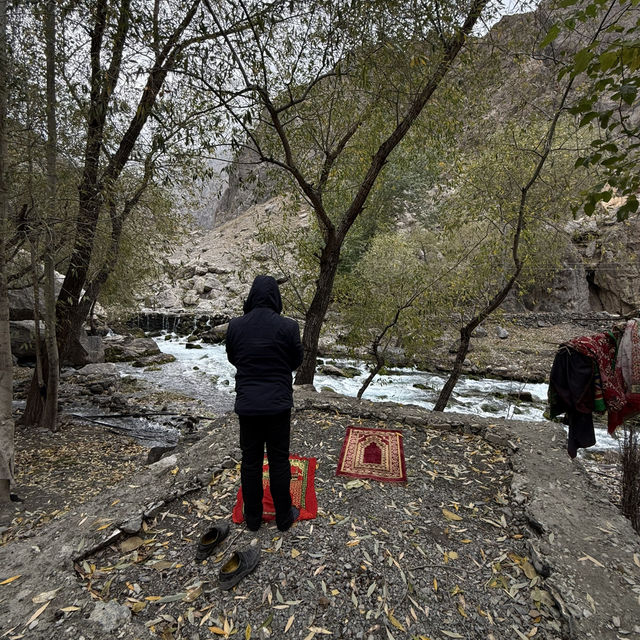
(375, 454)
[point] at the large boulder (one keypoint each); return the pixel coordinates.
(124, 349)
(85, 350)
(23, 338)
(21, 301)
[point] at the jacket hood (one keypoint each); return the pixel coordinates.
(264, 293)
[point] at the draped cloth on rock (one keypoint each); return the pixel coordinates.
(617, 355)
(602, 347)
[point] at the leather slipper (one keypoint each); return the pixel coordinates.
(210, 540)
(238, 566)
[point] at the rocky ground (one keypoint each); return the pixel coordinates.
(496, 535)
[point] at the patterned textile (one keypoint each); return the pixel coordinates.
(376, 454)
(303, 492)
(599, 404)
(602, 348)
(628, 360)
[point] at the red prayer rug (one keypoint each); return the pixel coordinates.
(376, 454)
(302, 487)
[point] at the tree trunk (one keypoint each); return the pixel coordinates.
(6, 362)
(372, 374)
(463, 349)
(318, 310)
(49, 417)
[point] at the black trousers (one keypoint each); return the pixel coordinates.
(274, 432)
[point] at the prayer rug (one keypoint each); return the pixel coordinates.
(302, 487)
(376, 454)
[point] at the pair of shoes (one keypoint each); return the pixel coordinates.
(210, 540)
(238, 566)
(294, 514)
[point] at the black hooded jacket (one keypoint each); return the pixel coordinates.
(265, 348)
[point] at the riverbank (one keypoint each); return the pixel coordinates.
(539, 550)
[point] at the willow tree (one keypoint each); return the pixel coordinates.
(129, 112)
(327, 97)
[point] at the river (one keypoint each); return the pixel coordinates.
(204, 373)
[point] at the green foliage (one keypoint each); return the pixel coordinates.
(149, 233)
(610, 63)
(390, 294)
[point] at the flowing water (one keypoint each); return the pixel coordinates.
(205, 374)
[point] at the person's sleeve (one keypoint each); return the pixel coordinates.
(231, 355)
(297, 350)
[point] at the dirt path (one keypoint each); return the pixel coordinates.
(539, 551)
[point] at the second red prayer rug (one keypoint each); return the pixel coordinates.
(376, 454)
(303, 491)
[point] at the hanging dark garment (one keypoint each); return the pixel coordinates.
(571, 392)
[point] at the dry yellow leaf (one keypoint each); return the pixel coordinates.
(247, 633)
(153, 598)
(11, 579)
(37, 613)
(45, 596)
(104, 526)
(449, 515)
(294, 553)
(137, 607)
(174, 471)
(453, 555)
(435, 585)
(636, 559)
(528, 569)
(395, 622)
(289, 623)
(218, 631)
(69, 609)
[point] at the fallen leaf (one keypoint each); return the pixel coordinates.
(37, 613)
(451, 634)
(591, 559)
(294, 553)
(528, 569)
(45, 596)
(435, 585)
(69, 609)
(395, 622)
(193, 594)
(636, 559)
(247, 633)
(131, 544)
(11, 579)
(104, 526)
(320, 630)
(289, 623)
(449, 515)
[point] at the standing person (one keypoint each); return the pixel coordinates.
(265, 348)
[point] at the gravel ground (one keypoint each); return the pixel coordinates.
(441, 557)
